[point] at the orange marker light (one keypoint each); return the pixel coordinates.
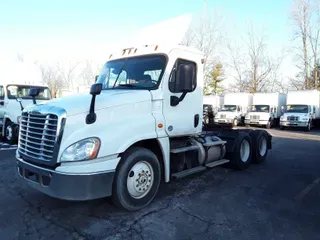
(160, 125)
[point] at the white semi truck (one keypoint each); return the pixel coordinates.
(140, 125)
(211, 105)
(302, 109)
(234, 109)
(266, 109)
(16, 80)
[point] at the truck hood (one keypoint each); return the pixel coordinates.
(80, 103)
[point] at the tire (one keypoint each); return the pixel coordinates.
(269, 124)
(135, 160)
(11, 133)
(308, 128)
(236, 159)
(259, 146)
(282, 128)
(235, 122)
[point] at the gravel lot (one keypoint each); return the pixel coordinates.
(276, 200)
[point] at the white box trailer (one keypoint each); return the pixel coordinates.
(302, 109)
(234, 109)
(266, 109)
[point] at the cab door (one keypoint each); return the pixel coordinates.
(183, 103)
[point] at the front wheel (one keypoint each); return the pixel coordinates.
(11, 133)
(269, 124)
(308, 128)
(137, 179)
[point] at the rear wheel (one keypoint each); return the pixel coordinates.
(259, 146)
(137, 179)
(240, 158)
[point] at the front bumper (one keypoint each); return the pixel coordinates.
(223, 121)
(293, 124)
(257, 122)
(67, 186)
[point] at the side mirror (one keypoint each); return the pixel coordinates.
(96, 89)
(185, 75)
(1, 102)
(34, 92)
(96, 78)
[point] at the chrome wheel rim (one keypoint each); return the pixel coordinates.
(244, 151)
(263, 146)
(140, 179)
(9, 132)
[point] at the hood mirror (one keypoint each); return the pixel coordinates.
(34, 92)
(94, 91)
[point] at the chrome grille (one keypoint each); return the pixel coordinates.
(293, 118)
(38, 135)
(254, 117)
(223, 116)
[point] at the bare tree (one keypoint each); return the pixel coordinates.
(254, 70)
(53, 78)
(301, 15)
(314, 34)
(205, 35)
(68, 73)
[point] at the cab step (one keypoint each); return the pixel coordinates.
(217, 163)
(184, 149)
(189, 172)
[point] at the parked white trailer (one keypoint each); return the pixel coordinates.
(266, 109)
(234, 109)
(16, 80)
(302, 109)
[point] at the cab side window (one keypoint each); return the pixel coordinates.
(175, 84)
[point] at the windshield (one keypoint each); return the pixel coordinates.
(260, 108)
(22, 91)
(296, 109)
(133, 73)
(228, 108)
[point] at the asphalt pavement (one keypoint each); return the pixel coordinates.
(278, 199)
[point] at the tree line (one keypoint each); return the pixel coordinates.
(248, 63)
(246, 60)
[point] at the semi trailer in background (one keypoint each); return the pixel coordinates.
(302, 109)
(211, 105)
(266, 109)
(16, 80)
(234, 109)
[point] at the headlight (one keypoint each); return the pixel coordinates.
(305, 119)
(83, 150)
(18, 119)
